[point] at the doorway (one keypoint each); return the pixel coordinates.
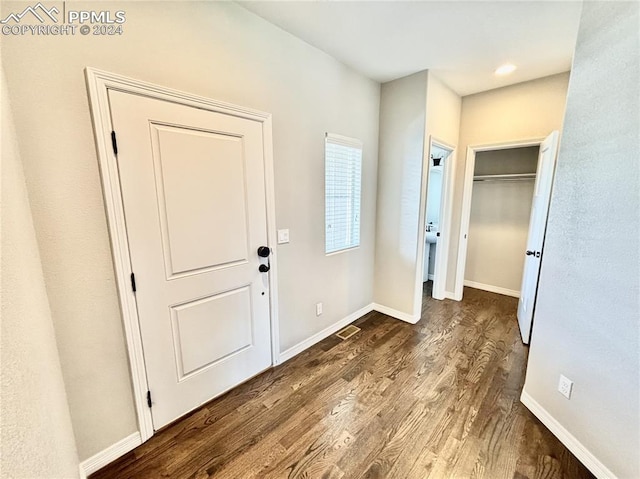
(504, 213)
(502, 191)
(437, 219)
(194, 180)
(439, 158)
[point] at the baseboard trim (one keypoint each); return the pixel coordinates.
(430, 277)
(576, 447)
(394, 313)
(451, 295)
(492, 289)
(326, 332)
(110, 454)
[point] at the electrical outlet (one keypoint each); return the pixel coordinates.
(318, 309)
(283, 236)
(565, 386)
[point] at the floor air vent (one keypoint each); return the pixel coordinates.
(347, 332)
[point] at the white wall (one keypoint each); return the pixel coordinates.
(214, 49)
(402, 140)
(443, 111)
(37, 439)
(527, 110)
(586, 324)
(499, 221)
(412, 109)
(498, 230)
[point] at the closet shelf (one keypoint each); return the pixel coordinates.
(506, 177)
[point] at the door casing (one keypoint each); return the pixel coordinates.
(98, 84)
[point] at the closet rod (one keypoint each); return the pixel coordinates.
(506, 177)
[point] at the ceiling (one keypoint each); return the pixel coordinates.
(462, 42)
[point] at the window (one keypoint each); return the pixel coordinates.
(343, 171)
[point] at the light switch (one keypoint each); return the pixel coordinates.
(283, 236)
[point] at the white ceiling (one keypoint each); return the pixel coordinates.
(463, 42)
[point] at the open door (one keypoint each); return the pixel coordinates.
(437, 217)
(537, 228)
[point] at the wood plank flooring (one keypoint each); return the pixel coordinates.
(438, 399)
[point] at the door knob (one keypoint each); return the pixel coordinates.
(264, 252)
(530, 253)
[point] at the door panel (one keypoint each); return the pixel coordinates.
(197, 325)
(190, 192)
(537, 228)
(193, 191)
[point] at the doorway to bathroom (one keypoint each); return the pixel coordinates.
(437, 219)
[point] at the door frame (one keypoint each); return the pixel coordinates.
(445, 215)
(98, 84)
(467, 193)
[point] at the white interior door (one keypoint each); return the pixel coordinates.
(444, 229)
(437, 219)
(194, 201)
(537, 227)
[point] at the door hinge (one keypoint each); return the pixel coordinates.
(133, 282)
(149, 403)
(114, 143)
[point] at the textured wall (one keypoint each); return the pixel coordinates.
(37, 439)
(587, 318)
(214, 49)
(527, 110)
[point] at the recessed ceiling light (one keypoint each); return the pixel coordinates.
(505, 69)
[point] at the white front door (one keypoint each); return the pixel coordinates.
(194, 202)
(537, 227)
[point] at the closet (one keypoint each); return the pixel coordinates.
(503, 186)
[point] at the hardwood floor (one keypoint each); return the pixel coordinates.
(438, 399)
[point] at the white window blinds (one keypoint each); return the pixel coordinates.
(343, 171)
